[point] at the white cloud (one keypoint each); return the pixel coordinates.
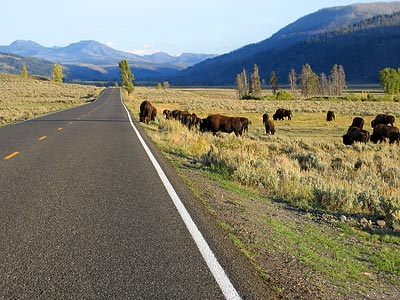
(145, 49)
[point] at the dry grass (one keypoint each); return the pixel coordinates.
(23, 99)
(305, 163)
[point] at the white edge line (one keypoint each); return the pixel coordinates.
(217, 271)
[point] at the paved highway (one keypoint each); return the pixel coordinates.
(85, 215)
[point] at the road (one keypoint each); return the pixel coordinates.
(85, 215)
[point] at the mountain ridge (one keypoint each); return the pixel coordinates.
(223, 69)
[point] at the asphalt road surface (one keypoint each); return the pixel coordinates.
(85, 215)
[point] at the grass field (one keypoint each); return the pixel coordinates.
(22, 99)
(328, 187)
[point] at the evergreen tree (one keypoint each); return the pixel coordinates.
(126, 76)
(57, 74)
(273, 80)
(309, 82)
(255, 83)
(24, 72)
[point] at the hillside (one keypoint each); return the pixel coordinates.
(289, 47)
(12, 64)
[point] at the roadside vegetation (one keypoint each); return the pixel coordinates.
(298, 199)
(23, 98)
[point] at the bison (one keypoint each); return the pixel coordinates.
(245, 123)
(394, 137)
(355, 134)
(167, 113)
(383, 131)
(281, 113)
(382, 119)
(269, 125)
(147, 112)
(216, 123)
(330, 116)
(358, 122)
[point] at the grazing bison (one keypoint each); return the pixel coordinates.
(383, 131)
(167, 114)
(245, 123)
(281, 113)
(269, 125)
(330, 116)
(383, 119)
(216, 123)
(355, 134)
(394, 137)
(147, 112)
(358, 122)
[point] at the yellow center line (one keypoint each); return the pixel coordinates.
(11, 155)
(59, 129)
(42, 138)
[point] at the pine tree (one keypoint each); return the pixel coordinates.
(57, 74)
(126, 76)
(24, 72)
(273, 80)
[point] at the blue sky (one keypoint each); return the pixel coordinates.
(143, 27)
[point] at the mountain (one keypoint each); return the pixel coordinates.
(91, 60)
(222, 70)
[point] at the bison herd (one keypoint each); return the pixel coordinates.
(238, 125)
(380, 132)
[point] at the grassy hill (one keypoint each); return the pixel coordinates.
(26, 98)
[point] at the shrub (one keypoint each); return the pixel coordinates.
(284, 95)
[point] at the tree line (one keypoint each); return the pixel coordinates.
(307, 83)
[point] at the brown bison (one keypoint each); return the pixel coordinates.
(383, 119)
(147, 112)
(216, 123)
(394, 137)
(330, 116)
(167, 114)
(358, 122)
(355, 134)
(269, 125)
(281, 113)
(245, 123)
(383, 131)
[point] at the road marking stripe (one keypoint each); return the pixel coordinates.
(11, 155)
(42, 138)
(59, 129)
(216, 269)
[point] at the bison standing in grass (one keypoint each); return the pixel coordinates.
(382, 119)
(330, 116)
(147, 112)
(269, 125)
(355, 134)
(281, 113)
(216, 123)
(383, 131)
(358, 122)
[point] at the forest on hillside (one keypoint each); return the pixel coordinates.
(363, 49)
